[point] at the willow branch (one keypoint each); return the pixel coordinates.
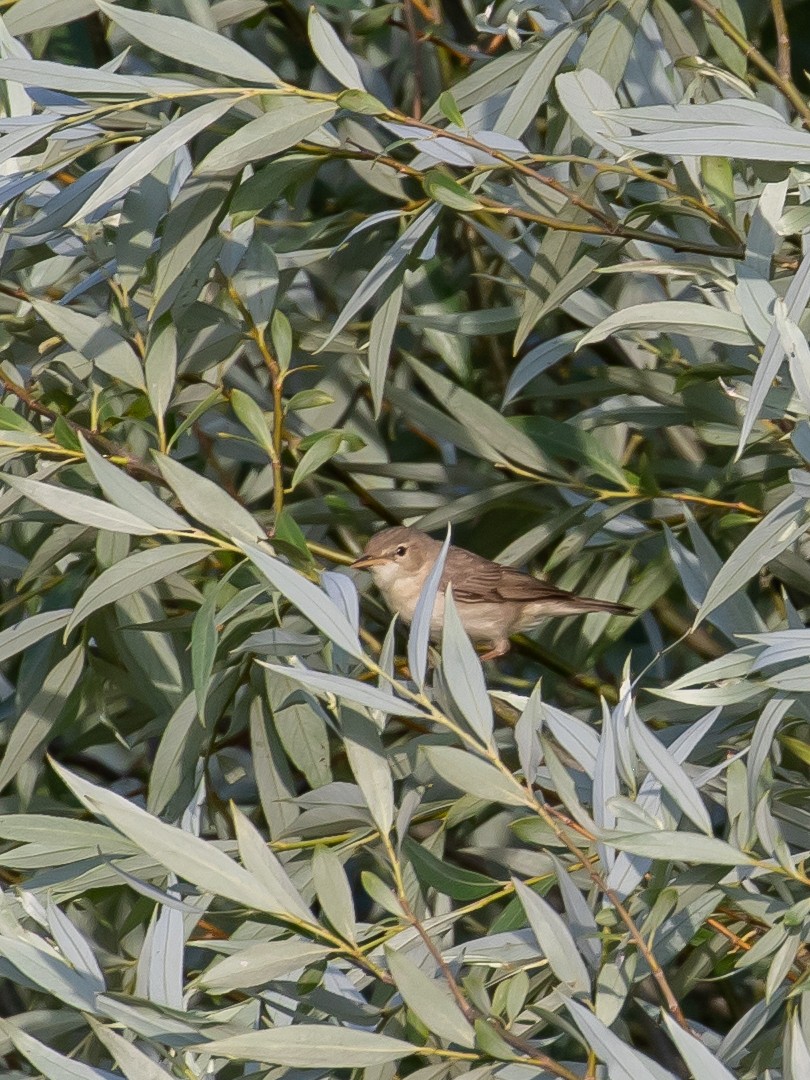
(784, 84)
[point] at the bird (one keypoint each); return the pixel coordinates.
(493, 601)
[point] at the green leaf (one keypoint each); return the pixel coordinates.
(310, 1046)
(12, 421)
(369, 763)
(250, 414)
(257, 964)
(308, 598)
(463, 673)
(160, 367)
(587, 96)
(266, 868)
(285, 122)
(324, 684)
(37, 720)
(450, 880)
(449, 192)
(487, 80)
(309, 399)
(204, 642)
(531, 90)
(72, 78)
(207, 501)
(334, 891)
(125, 491)
(466, 771)
(423, 616)
(190, 43)
(610, 41)
(133, 1063)
(27, 632)
(673, 317)
(281, 334)
(302, 725)
(47, 1061)
(392, 262)
(671, 775)
(776, 532)
(429, 1000)
(135, 573)
(485, 422)
(681, 846)
(46, 970)
(555, 940)
(327, 445)
(699, 1059)
(773, 354)
(83, 509)
(331, 51)
(136, 162)
(623, 1062)
(97, 341)
(449, 107)
(188, 226)
(564, 440)
(357, 101)
(198, 861)
(380, 341)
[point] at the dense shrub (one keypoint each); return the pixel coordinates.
(274, 277)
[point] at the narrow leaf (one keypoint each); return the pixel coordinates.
(134, 573)
(260, 963)
(429, 1000)
(699, 1059)
(207, 501)
(287, 122)
(671, 775)
(622, 1061)
(332, 53)
(22, 635)
(136, 162)
(310, 1046)
(189, 43)
(555, 939)
(468, 772)
(308, 598)
(95, 340)
(380, 340)
(126, 492)
(780, 529)
(360, 693)
(463, 672)
(83, 509)
(198, 861)
(424, 615)
(673, 317)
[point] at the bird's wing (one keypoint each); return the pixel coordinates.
(476, 580)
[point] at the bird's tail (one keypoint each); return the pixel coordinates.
(590, 603)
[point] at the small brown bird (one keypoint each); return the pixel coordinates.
(493, 601)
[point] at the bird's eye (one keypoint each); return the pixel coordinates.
(401, 550)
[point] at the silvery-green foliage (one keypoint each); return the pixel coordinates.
(272, 277)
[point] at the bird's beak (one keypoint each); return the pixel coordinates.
(368, 560)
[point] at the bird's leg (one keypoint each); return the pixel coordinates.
(499, 648)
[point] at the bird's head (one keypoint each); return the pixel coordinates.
(398, 552)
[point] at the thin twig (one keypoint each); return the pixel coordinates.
(416, 53)
(782, 39)
(785, 85)
(131, 464)
(531, 1053)
(547, 815)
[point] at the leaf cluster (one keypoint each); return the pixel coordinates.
(272, 277)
